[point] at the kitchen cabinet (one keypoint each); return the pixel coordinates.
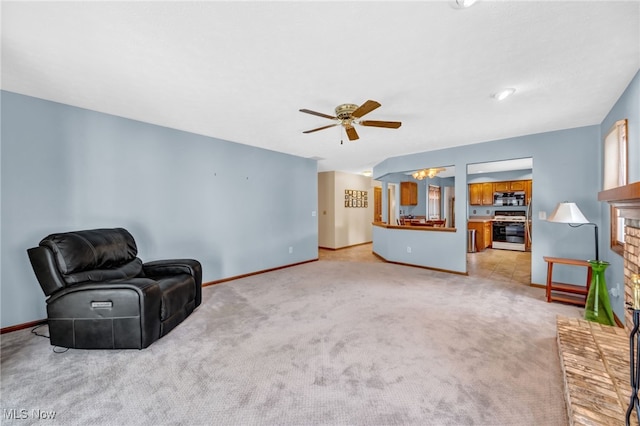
(483, 233)
(481, 194)
(528, 191)
(517, 185)
(514, 185)
(475, 194)
(488, 234)
(501, 186)
(487, 194)
(408, 193)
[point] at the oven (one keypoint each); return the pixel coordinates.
(509, 232)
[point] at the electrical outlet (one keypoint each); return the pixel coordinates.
(408, 249)
(290, 250)
(542, 215)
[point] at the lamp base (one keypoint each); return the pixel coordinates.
(598, 307)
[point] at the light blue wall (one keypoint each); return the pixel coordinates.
(235, 208)
(628, 106)
(566, 166)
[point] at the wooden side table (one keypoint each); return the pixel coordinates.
(563, 292)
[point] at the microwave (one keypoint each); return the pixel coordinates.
(513, 198)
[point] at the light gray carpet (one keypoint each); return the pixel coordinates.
(324, 343)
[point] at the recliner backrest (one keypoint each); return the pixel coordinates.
(92, 255)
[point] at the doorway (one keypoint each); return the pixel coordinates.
(489, 184)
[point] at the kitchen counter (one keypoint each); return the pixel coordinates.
(480, 219)
(483, 227)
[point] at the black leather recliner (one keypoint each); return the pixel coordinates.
(101, 295)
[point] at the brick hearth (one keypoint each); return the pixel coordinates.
(595, 363)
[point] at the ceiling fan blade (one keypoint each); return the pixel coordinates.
(365, 108)
(351, 133)
(319, 114)
(320, 128)
(375, 123)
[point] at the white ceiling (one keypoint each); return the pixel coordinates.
(240, 70)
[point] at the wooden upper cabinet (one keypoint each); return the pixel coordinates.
(408, 193)
(513, 185)
(475, 194)
(487, 194)
(481, 194)
(518, 185)
(501, 186)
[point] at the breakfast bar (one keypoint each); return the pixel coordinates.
(430, 247)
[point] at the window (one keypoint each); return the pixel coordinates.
(434, 203)
(614, 175)
(617, 231)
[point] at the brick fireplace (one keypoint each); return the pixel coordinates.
(627, 200)
(631, 264)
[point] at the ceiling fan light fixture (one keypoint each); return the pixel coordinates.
(503, 94)
(344, 111)
(427, 173)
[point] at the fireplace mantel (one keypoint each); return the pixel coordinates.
(625, 198)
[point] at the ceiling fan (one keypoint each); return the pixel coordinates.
(349, 114)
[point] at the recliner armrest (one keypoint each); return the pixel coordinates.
(168, 267)
(141, 297)
(144, 287)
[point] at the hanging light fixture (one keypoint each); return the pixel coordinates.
(427, 173)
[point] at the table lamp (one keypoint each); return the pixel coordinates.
(570, 214)
(597, 306)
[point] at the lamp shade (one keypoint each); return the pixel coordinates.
(567, 213)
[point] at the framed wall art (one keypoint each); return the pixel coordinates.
(356, 198)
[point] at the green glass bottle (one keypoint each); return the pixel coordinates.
(598, 308)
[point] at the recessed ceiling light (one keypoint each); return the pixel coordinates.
(367, 173)
(503, 94)
(463, 4)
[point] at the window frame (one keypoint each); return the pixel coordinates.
(615, 174)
